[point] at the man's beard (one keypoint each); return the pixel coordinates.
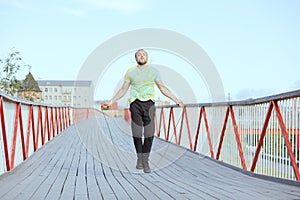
(142, 62)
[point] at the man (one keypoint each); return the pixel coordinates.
(141, 78)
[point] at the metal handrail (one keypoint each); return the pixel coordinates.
(26, 126)
(231, 131)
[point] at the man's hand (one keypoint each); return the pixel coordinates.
(106, 106)
(179, 103)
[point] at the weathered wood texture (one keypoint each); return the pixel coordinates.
(95, 159)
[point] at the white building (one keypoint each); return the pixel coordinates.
(67, 93)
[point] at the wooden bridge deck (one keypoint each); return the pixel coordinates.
(91, 160)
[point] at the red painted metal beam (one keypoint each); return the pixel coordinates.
(184, 115)
(69, 117)
(262, 136)
(28, 131)
(181, 125)
(238, 139)
(4, 137)
(34, 135)
(188, 129)
(59, 121)
(287, 141)
(46, 124)
(22, 134)
(198, 129)
(161, 120)
(171, 119)
(208, 134)
(174, 128)
(63, 119)
(222, 134)
(40, 125)
(52, 128)
(14, 139)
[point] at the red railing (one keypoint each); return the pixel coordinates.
(79, 114)
(260, 135)
(25, 126)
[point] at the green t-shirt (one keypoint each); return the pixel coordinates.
(142, 82)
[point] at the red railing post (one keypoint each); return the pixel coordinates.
(28, 131)
(286, 139)
(208, 134)
(169, 123)
(4, 137)
(40, 125)
(238, 139)
(68, 117)
(184, 114)
(87, 113)
(262, 136)
(46, 124)
(222, 134)
(52, 125)
(171, 119)
(63, 112)
(59, 119)
(198, 129)
(189, 130)
(160, 119)
(181, 125)
(14, 139)
(55, 123)
(22, 133)
(35, 136)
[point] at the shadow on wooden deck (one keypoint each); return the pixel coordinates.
(91, 160)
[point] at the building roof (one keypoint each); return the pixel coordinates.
(29, 84)
(64, 83)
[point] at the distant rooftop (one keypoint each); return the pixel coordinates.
(63, 83)
(29, 84)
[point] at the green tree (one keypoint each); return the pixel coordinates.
(10, 66)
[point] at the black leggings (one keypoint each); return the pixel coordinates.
(142, 118)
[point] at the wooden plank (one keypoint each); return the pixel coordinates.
(40, 179)
(194, 186)
(91, 181)
(149, 190)
(106, 188)
(68, 190)
(52, 186)
(80, 181)
(58, 185)
(105, 155)
(198, 181)
(23, 181)
(96, 160)
(210, 187)
(27, 167)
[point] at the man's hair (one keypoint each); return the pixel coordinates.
(139, 51)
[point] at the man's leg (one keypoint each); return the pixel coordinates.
(149, 129)
(137, 131)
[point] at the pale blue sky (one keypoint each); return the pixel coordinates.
(255, 45)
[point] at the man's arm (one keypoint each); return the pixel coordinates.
(121, 92)
(165, 91)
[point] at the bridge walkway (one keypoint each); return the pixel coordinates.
(95, 159)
